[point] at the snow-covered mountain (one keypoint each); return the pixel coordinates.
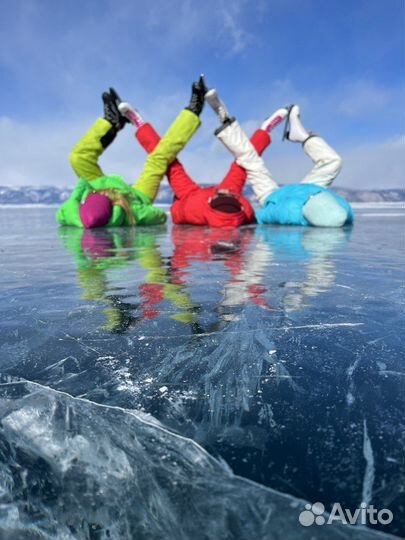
(33, 195)
(56, 195)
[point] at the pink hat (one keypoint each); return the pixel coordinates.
(95, 211)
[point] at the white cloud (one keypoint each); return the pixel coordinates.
(117, 36)
(377, 166)
(33, 155)
(64, 69)
(366, 166)
(360, 98)
(212, 22)
(235, 34)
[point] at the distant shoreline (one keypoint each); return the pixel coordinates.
(54, 196)
(379, 204)
(371, 204)
(57, 205)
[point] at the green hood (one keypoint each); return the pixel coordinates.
(141, 207)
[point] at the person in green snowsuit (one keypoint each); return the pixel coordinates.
(99, 200)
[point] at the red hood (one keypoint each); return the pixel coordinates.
(215, 218)
(196, 210)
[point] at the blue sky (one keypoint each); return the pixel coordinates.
(342, 61)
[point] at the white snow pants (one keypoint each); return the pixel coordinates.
(327, 163)
(237, 142)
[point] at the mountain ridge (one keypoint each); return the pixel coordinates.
(44, 195)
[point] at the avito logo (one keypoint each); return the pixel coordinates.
(365, 515)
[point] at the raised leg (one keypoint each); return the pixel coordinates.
(237, 142)
(236, 177)
(327, 163)
(84, 156)
(157, 163)
(179, 180)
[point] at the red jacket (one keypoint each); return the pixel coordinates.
(196, 210)
(191, 206)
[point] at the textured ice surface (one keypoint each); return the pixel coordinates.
(73, 469)
(278, 350)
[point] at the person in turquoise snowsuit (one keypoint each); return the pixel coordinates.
(310, 202)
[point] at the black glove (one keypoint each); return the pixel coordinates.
(198, 91)
(112, 114)
(202, 83)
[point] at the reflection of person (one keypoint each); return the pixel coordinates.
(97, 252)
(307, 203)
(239, 380)
(99, 200)
(245, 270)
(313, 247)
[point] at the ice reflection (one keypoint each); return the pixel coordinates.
(241, 266)
(98, 252)
(249, 256)
(314, 247)
(246, 256)
(274, 349)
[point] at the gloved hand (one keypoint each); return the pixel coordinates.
(112, 114)
(198, 91)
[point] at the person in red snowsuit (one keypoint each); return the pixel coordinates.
(222, 205)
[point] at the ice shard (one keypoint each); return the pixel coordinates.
(74, 469)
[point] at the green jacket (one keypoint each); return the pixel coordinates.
(141, 207)
(84, 159)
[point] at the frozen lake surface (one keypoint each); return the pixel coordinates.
(190, 383)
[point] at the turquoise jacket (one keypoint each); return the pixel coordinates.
(285, 205)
